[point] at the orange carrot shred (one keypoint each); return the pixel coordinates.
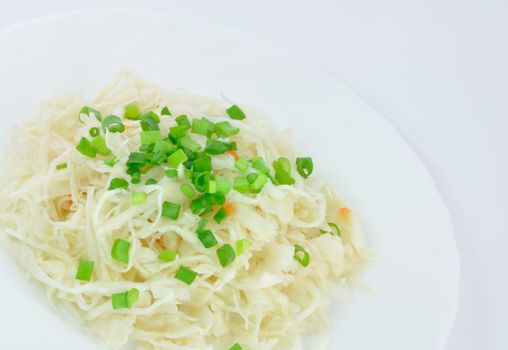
(344, 213)
(229, 208)
(234, 154)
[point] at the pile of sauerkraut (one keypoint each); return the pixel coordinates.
(53, 216)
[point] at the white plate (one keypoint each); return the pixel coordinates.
(402, 214)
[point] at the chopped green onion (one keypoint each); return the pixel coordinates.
(252, 177)
(201, 181)
(138, 198)
(304, 259)
(110, 161)
(258, 163)
(242, 185)
(85, 269)
(87, 110)
(99, 143)
(165, 111)
(171, 173)
(177, 158)
(304, 166)
(282, 168)
(259, 182)
(149, 121)
(118, 183)
(202, 224)
(202, 163)
(150, 136)
(177, 132)
(120, 250)
(235, 112)
(186, 275)
(94, 132)
(136, 159)
(131, 111)
(136, 178)
(164, 146)
(217, 147)
(188, 190)
(226, 255)
(158, 158)
(207, 238)
(61, 166)
(86, 148)
(113, 124)
(242, 164)
(150, 182)
(202, 127)
(125, 300)
(225, 129)
(334, 225)
(188, 174)
(223, 185)
(204, 204)
(182, 120)
(212, 186)
(171, 210)
(236, 346)
(189, 143)
(242, 245)
(220, 215)
(168, 255)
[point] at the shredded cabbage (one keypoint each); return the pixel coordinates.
(265, 300)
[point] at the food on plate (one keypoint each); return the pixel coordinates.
(176, 221)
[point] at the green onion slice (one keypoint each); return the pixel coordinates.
(150, 182)
(125, 300)
(225, 129)
(89, 110)
(242, 164)
(110, 161)
(186, 275)
(118, 183)
(202, 163)
(189, 143)
(182, 120)
(94, 132)
(138, 198)
(171, 210)
(188, 190)
(304, 166)
(207, 238)
(120, 250)
(131, 111)
(236, 346)
(86, 148)
(171, 173)
(334, 225)
(235, 112)
(150, 136)
(226, 255)
(202, 127)
(61, 166)
(301, 255)
(85, 270)
(99, 143)
(220, 215)
(242, 245)
(113, 124)
(165, 111)
(167, 255)
(282, 168)
(177, 158)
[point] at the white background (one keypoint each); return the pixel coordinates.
(438, 69)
